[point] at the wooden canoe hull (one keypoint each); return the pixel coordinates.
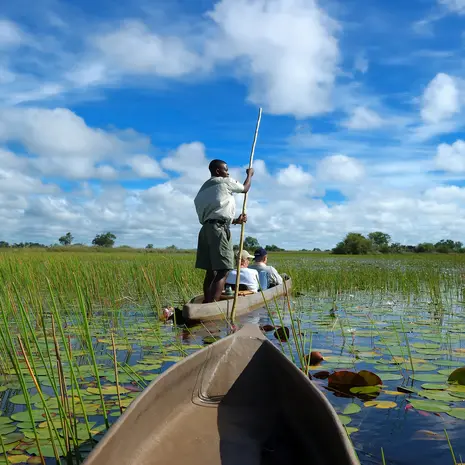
(239, 401)
(222, 309)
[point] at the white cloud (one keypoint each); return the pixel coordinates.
(146, 167)
(340, 168)
(294, 176)
(361, 63)
(441, 99)
(134, 49)
(446, 194)
(456, 6)
(363, 118)
(287, 50)
(10, 34)
(63, 144)
(451, 157)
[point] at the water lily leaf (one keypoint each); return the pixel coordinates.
(457, 413)
(429, 378)
(370, 378)
(434, 386)
(107, 390)
(458, 376)
(390, 376)
(456, 388)
(366, 390)
(438, 395)
(383, 404)
(345, 420)
(5, 420)
(6, 429)
(393, 393)
(429, 405)
(351, 429)
(19, 399)
(448, 363)
(18, 458)
(24, 416)
(425, 345)
(12, 438)
(351, 409)
(34, 460)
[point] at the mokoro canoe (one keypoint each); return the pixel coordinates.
(239, 401)
(246, 302)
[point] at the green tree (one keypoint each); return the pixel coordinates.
(379, 239)
(4, 244)
(67, 239)
(425, 247)
(273, 248)
(104, 240)
(149, 246)
(354, 244)
(251, 243)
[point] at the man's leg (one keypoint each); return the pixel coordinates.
(207, 282)
(217, 285)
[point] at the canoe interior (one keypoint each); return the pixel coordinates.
(238, 402)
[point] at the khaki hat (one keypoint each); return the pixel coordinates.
(246, 255)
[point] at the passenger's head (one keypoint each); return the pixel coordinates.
(218, 169)
(245, 258)
(260, 255)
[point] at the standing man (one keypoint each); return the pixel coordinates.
(216, 209)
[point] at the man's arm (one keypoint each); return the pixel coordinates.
(248, 179)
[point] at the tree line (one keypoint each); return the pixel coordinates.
(380, 242)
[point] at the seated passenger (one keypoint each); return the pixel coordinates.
(260, 264)
(248, 278)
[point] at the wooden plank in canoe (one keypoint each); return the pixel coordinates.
(195, 310)
(239, 401)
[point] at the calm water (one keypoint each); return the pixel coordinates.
(363, 332)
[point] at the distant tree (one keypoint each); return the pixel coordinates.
(316, 249)
(172, 248)
(104, 240)
(425, 247)
(251, 243)
(354, 244)
(4, 245)
(396, 247)
(67, 239)
(273, 248)
(149, 246)
(379, 239)
(448, 246)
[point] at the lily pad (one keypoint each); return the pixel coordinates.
(457, 413)
(390, 376)
(345, 420)
(383, 404)
(429, 405)
(351, 409)
(351, 429)
(429, 378)
(458, 376)
(434, 386)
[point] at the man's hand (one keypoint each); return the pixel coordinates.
(249, 172)
(242, 218)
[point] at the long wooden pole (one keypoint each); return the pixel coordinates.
(244, 207)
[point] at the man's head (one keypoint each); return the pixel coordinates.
(245, 258)
(261, 255)
(218, 169)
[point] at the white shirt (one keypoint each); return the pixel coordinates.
(248, 277)
(273, 276)
(215, 200)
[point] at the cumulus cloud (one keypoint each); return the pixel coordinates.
(451, 157)
(294, 176)
(363, 118)
(287, 51)
(146, 167)
(63, 144)
(340, 168)
(441, 99)
(134, 49)
(456, 6)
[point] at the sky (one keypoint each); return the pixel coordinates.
(111, 111)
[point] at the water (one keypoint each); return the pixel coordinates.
(363, 331)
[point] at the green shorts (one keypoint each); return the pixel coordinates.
(215, 248)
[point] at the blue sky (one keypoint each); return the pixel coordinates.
(110, 113)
